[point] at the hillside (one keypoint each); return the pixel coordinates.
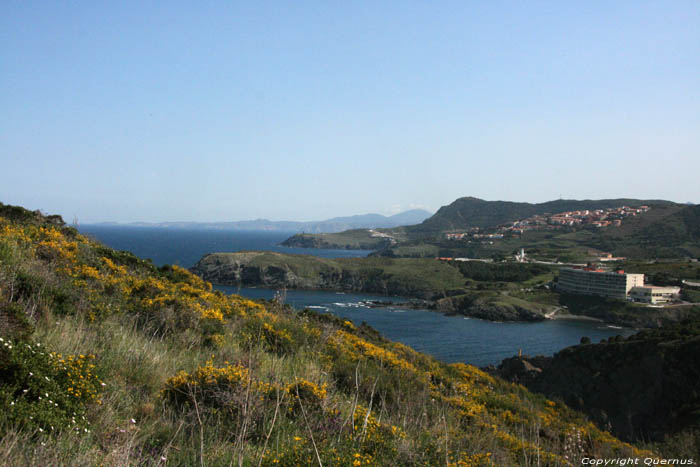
(670, 232)
(105, 359)
(358, 239)
(468, 212)
(420, 278)
(645, 387)
(667, 230)
(491, 291)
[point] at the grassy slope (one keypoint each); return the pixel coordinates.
(356, 239)
(187, 375)
(469, 212)
(666, 231)
(418, 274)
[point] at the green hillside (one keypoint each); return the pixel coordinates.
(412, 277)
(668, 230)
(665, 231)
(356, 239)
(105, 359)
(646, 386)
(467, 212)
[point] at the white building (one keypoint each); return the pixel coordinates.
(654, 294)
(590, 281)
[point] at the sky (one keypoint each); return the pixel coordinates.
(214, 111)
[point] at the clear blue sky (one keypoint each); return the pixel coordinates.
(211, 111)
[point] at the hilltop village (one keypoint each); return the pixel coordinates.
(611, 217)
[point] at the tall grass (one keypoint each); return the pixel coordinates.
(192, 377)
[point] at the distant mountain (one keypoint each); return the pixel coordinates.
(336, 224)
(474, 212)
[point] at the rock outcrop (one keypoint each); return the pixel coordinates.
(641, 388)
(277, 270)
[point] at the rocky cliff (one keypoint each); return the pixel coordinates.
(276, 270)
(641, 388)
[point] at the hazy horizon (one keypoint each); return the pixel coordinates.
(304, 111)
(175, 221)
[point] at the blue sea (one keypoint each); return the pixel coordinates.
(185, 247)
(449, 338)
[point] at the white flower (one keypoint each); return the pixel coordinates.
(133, 421)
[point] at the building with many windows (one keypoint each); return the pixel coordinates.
(654, 294)
(589, 281)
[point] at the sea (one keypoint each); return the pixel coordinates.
(448, 338)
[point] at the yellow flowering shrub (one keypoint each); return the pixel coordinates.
(306, 393)
(356, 348)
(224, 386)
(77, 372)
(45, 391)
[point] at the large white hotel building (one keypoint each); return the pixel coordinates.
(590, 281)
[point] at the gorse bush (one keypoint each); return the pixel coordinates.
(44, 391)
(194, 376)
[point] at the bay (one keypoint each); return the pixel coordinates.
(449, 338)
(185, 247)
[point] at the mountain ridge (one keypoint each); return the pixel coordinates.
(468, 211)
(332, 225)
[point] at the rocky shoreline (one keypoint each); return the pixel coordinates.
(641, 387)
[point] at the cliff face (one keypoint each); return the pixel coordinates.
(491, 308)
(228, 270)
(274, 270)
(642, 388)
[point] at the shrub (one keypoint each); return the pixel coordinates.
(42, 391)
(14, 322)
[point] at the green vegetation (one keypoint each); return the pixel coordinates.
(664, 272)
(467, 212)
(493, 291)
(413, 277)
(414, 250)
(108, 360)
(644, 387)
(358, 239)
(668, 230)
(501, 272)
(625, 313)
